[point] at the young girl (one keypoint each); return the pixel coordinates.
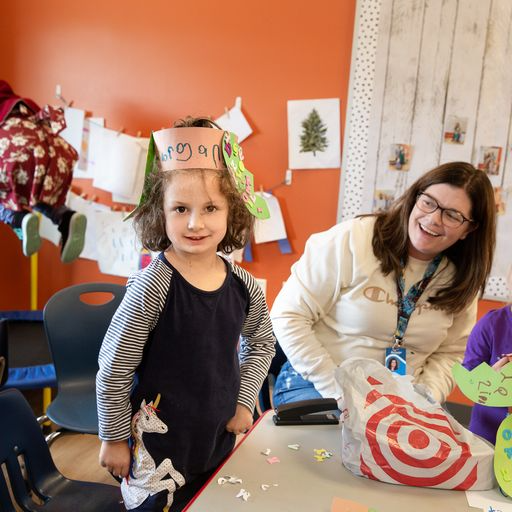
(179, 326)
(36, 168)
(490, 341)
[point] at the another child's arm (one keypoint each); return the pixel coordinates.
(479, 346)
(115, 456)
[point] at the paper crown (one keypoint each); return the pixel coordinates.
(203, 148)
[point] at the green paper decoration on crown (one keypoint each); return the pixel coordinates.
(244, 179)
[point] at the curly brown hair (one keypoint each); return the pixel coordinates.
(149, 218)
(471, 256)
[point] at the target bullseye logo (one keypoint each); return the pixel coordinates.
(409, 446)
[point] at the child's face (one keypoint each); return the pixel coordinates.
(196, 213)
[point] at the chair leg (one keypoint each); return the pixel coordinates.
(51, 437)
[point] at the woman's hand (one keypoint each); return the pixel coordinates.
(241, 422)
(115, 456)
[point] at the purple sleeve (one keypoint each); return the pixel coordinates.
(479, 346)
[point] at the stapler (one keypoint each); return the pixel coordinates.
(306, 412)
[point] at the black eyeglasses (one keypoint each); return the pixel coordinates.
(449, 217)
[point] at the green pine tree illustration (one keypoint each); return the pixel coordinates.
(313, 134)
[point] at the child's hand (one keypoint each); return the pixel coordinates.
(506, 358)
(241, 422)
(115, 456)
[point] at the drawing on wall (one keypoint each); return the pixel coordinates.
(314, 134)
(400, 157)
(382, 200)
(489, 159)
(455, 129)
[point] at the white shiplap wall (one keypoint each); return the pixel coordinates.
(414, 63)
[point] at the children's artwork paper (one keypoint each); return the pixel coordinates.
(314, 134)
(74, 127)
(48, 230)
(234, 121)
(118, 247)
(89, 209)
(273, 228)
(484, 385)
(489, 501)
(90, 135)
(138, 183)
(503, 455)
(119, 169)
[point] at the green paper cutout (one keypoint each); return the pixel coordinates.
(244, 179)
(484, 385)
(149, 167)
(503, 455)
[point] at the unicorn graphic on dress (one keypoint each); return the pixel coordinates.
(147, 479)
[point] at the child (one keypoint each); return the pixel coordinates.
(179, 326)
(36, 168)
(490, 342)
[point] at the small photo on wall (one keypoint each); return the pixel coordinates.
(382, 200)
(314, 134)
(490, 159)
(500, 199)
(399, 157)
(455, 129)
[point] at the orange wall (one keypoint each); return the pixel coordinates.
(143, 67)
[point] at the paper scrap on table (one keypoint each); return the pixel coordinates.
(273, 460)
(235, 121)
(342, 505)
(294, 446)
(489, 500)
(245, 495)
(74, 127)
(321, 454)
(271, 229)
(266, 487)
(229, 479)
(266, 452)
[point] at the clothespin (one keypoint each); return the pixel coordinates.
(93, 198)
(139, 133)
(120, 131)
(114, 208)
(261, 189)
(58, 95)
(83, 195)
(238, 102)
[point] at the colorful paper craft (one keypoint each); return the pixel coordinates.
(503, 456)
(484, 385)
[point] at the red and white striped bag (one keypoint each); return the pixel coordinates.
(394, 434)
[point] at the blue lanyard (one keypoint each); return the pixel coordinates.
(407, 303)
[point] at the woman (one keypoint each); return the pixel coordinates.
(343, 296)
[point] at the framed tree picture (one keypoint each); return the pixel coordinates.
(314, 134)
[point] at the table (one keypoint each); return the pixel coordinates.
(305, 485)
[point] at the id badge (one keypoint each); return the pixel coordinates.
(395, 360)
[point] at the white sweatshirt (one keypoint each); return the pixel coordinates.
(337, 304)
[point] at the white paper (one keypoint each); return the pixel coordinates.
(84, 168)
(120, 159)
(88, 208)
(329, 154)
(273, 228)
(235, 121)
(489, 500)
(48, 230)
(118, 247)
(138, 184)
(74, 127)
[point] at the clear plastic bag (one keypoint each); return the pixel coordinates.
(393, 431)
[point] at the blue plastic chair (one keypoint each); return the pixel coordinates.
(21, 436)
(75, 331)
(23, 344)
